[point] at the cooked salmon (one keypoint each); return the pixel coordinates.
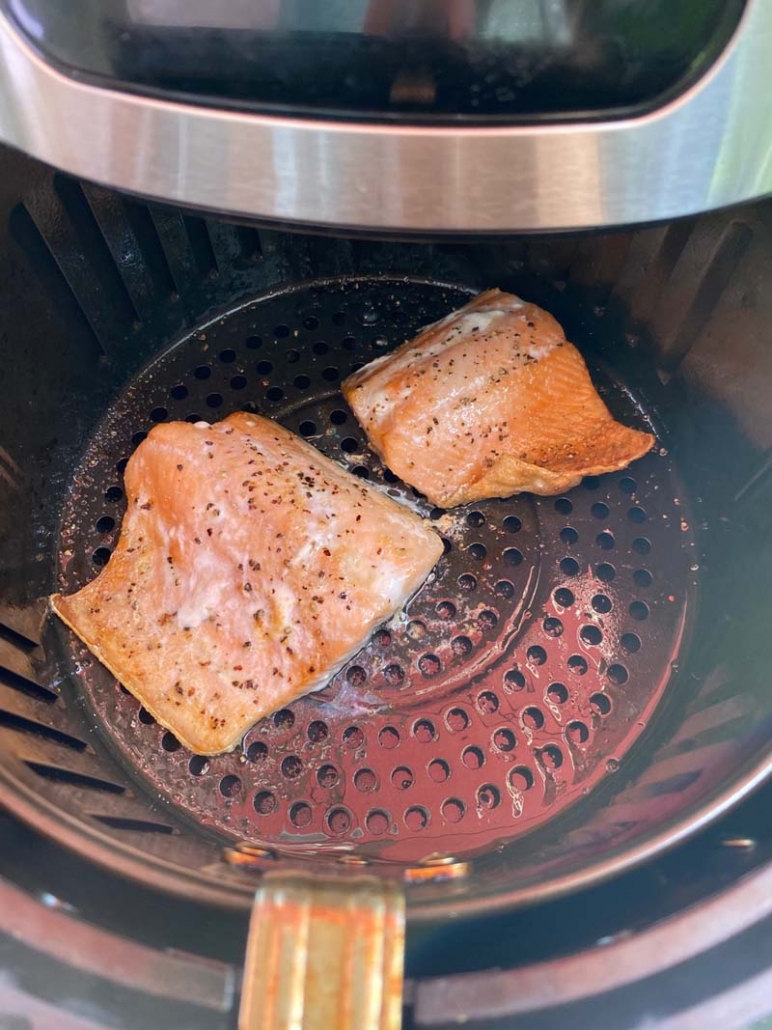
(249, 568)
(490, 401)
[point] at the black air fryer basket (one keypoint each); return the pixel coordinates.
(581, 685)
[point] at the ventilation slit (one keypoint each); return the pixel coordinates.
(26, 686)
(38, 729)
(117, 822)
(76, 779)
(200, 245)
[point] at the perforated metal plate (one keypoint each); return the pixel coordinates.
(518, 677)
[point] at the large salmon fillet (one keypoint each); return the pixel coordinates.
(249, 568)
(490, 401)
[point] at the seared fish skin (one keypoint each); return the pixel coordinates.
(248, 570)
(488, 402)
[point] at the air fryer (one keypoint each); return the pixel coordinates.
(579, 688)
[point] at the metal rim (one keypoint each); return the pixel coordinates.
(408, 178)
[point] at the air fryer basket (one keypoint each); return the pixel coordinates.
(636, 603)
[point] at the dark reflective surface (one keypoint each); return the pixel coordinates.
(474, 59)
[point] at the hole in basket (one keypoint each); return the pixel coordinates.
(170, 743)
(536, 655)
(284, 719)
(605, 540)
(138, 438)
(388, 738)
(642, 578)
(453, 810)
(618, 674)
(473, 758)
(605, 572)
(291, 767)
(641, 545)
(424, 731)
(330, 374)
(600, 704)
(318, 731)
(365, 780)
(550, 757)
(158, 414)
(569, 567)
(438, 770)
(402, 778)
(394, 674)
(353, 737)
(300, 814)
(514, 679)
(377, 821)
(487, 620)
(227, 356)
(327, 776)
(101, 556)
(505, 589)
(214, 400)
(512, 556)
(577, 732)
(591, 482)
(552, 627)
(253, 342)
(257, 752)
(504, 740)
(600, 510)
(475, 519)
(630, 642)
(264, 368)
(488, 796)
(281, 331)
(577, 665)
(105, 524)
(446, 610)
(520, 778)
(274, 393)
(416, 819)
(430, 665)
(202, 372)
(601, 604)
(512, 524)
(301, 382)
(637, 515)
(563, 506)
(457, 720)
(591, 635)
(639, 611)
(461, 646)
(349, 445)
(533, 718)
(362, 471)
(310, 322)
(349, 343)
(238, 383)
(564, 597)
(416, 629)
(338, 417)
(320, 347)
(338, 821)
(557, 693)
(179, 392)
(265, 802)
(487, 702)
(627, 485)
(569, 535)
(356, 675)
(113, 494)
(477, 552)
(198, 765)
(467, 582)
(307, 428)
(230, 786)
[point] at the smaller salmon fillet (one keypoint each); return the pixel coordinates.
(488, 402)
(248, 570)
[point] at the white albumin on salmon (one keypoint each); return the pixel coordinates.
(488, 402)
(248, 570)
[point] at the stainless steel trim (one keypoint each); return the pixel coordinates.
(709, 148)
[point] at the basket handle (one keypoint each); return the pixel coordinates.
(324, 953)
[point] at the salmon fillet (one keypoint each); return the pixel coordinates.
(488, 402)
(249, 568)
